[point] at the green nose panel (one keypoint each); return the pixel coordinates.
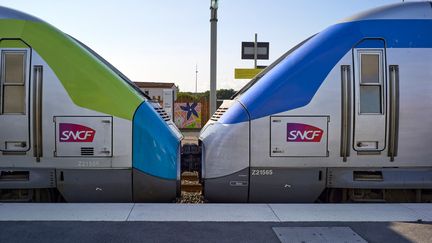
(89, 83)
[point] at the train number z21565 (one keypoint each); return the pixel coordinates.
(262, 172)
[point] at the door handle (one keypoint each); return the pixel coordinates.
(368, 144)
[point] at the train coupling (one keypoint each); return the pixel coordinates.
(191, 158)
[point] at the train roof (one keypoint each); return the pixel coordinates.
(8, 13)
(406, 10)
(74, 64)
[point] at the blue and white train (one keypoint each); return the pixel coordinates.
(343, 116)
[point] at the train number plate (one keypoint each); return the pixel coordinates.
(259, 172)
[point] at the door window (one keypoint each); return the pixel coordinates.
(371, 82)
(13, 77)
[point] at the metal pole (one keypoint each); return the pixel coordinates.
(213, 58)
(196, 78)
(255, 50)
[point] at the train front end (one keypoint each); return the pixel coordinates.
(156, 155)
(225, 154)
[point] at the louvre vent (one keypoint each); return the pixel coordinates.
(218, 113)
(87, 151)
(162, 113)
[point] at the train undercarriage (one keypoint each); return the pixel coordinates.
(392, 192)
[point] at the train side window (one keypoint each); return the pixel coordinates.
(13, 75)
(371, 80)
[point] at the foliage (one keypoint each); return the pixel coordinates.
(186, 96)
(225, 94)
(222, 94)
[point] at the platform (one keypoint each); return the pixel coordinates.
(83, 222)
(216, 212)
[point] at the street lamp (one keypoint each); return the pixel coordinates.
(213, 58)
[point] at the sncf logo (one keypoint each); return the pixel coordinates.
(298, 132)
(76, 133)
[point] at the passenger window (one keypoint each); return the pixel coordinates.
(13, 75)
(370, 83)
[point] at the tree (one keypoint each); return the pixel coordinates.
(222, 94)
(225, 94)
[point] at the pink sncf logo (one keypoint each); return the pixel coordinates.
(298, 132)
(76, 133)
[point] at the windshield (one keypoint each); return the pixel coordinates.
(267, 69)
(114, 69)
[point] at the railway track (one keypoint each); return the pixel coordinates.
(190, 182)
(191, 188)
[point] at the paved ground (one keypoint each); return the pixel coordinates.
(52, 231)
(128, 222)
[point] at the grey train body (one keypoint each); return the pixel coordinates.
(354, 136)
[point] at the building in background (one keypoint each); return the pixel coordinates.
(156, 89)
(186, 113)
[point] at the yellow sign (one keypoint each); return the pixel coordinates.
(246, 73)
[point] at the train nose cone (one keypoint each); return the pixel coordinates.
(225, 154)
(156, 157)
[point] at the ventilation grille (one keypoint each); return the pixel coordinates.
(162, 113)
(87, 151)
(218, 113)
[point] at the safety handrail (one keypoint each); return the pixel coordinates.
(37, 108)
(394, 111)
(346, 111)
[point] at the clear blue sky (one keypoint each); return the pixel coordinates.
(161, 41)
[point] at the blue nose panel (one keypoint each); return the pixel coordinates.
(155, 147)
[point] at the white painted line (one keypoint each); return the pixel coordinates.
(215, 212)
(344, 212)
(203, 212)
(65, 211)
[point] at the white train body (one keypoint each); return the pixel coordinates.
(72, 125)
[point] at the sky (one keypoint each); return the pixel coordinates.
(164, 40)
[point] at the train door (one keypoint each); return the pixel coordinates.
(14, 97)
(370, 97)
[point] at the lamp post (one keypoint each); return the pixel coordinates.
(213, 58)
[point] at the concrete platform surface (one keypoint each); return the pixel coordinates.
(216, 212)
(179, 232)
